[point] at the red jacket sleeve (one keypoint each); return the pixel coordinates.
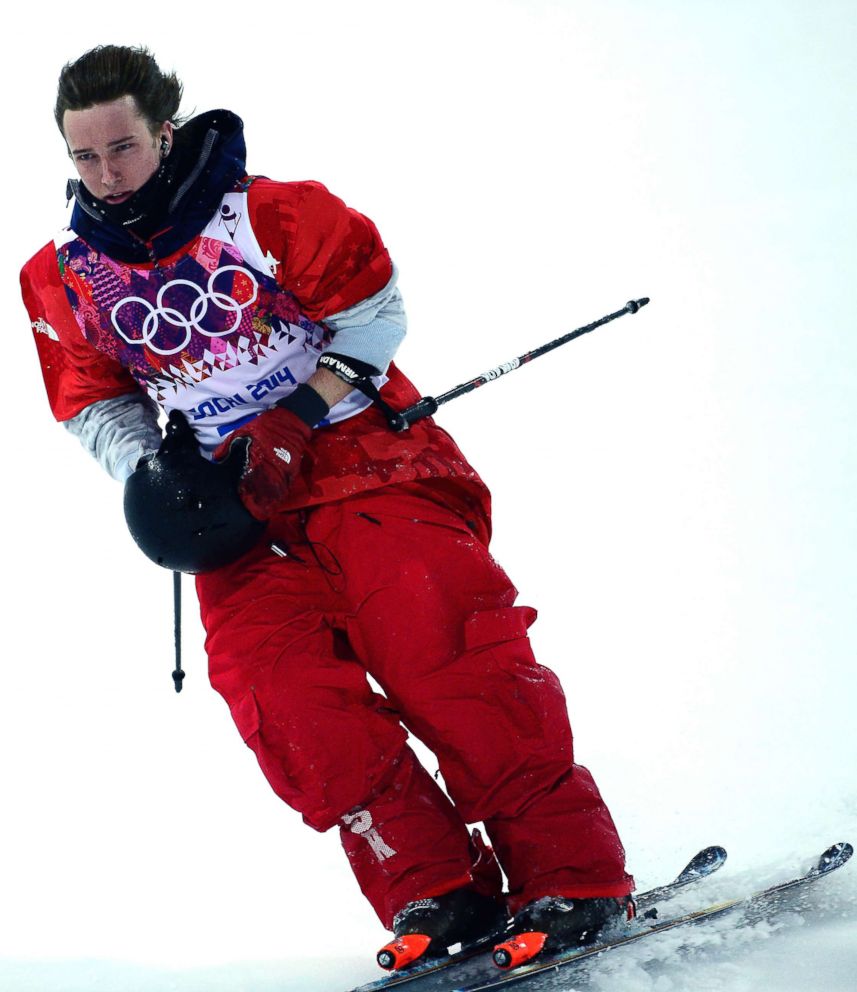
(75, 373)
(331, 257)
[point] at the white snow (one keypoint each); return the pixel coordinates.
(674, 492)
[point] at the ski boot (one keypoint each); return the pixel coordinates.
(428, 927)
(557, 924)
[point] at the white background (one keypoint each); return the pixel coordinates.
(675, 493)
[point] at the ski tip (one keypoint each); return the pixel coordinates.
(834, 857)
(708, 860)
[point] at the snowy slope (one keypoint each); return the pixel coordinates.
(809, 946)
(675, 492)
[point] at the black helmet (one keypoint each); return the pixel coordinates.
(184, 511)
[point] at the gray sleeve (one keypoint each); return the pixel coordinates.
(118, 432)
(373, 329)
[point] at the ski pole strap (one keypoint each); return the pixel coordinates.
(358, 375)
(368, 388)
(178, 674)
(427, 405)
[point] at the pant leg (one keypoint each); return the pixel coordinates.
(432, 618)
(330, 747)
(408, 842)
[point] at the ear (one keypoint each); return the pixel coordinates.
(165, 137)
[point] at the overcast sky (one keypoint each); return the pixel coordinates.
(674, 492)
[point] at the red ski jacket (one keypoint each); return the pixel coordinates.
(229, 324)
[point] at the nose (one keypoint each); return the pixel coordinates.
(109, 173)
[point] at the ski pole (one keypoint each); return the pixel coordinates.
(178, 673)
(427, 405)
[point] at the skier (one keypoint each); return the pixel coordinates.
(252, 307)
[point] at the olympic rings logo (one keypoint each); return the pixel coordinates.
(190, 322)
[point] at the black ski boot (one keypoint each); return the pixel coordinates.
(427, 927)
(557, 924)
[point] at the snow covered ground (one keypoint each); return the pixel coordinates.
(674, 492)
(810, 947)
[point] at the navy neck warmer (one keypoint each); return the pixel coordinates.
(207, 157)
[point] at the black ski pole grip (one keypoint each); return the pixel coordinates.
(424, 407)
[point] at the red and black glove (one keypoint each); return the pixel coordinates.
(278, 438)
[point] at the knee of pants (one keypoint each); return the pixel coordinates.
(496, 719)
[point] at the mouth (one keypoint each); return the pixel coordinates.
(117, 197)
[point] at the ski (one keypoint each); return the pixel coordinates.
(833, 858)
(701, 865)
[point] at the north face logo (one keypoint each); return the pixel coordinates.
(41, 326)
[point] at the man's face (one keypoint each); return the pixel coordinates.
(112, 148)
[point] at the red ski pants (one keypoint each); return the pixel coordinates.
(400, 587)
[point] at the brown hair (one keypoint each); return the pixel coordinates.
(109, 72)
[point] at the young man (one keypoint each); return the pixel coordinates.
(251, 307)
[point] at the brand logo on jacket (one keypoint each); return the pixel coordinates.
(41, 326)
